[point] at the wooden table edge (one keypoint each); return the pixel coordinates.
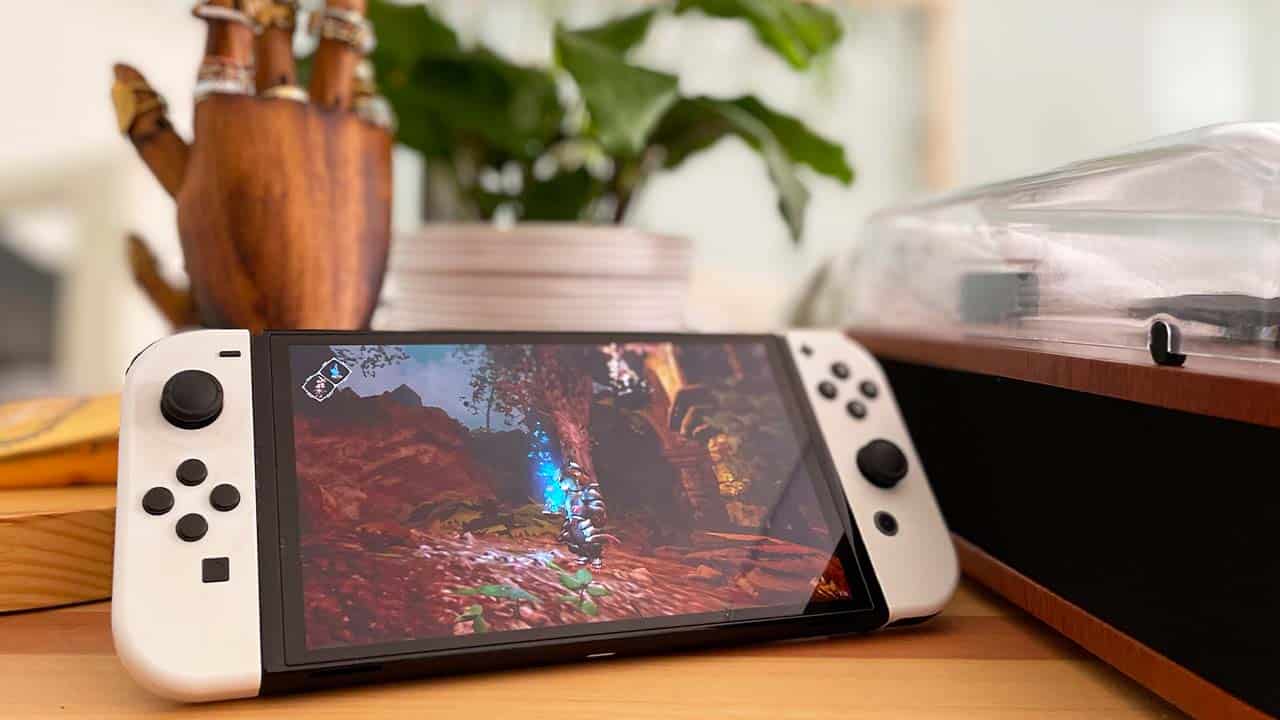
(1233, 390)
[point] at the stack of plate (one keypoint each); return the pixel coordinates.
(535, 277)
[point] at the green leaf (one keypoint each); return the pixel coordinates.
(502, 592)
(797, 31)
(479, 625)
(576, 580)
(598, 591)
(407, 32)
(625, 102)
(695, 124)
(420, 126)
(573, 600)
(564, 197)
(621, 34)
(472, 612)
(583, 576)
(475, 93)
(801, 144)
(303, 67)
(446, 96)
(589, 607)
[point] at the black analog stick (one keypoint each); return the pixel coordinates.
(192, 399)
(882, 463)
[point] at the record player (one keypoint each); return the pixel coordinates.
(1089, 363)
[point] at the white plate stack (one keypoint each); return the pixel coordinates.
(535, 276)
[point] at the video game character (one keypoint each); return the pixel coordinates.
(585, 515)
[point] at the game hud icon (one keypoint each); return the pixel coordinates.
(318, 387)
(335, 371)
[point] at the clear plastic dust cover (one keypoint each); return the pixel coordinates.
(1184, 229)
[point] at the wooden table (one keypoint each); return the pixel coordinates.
(982, 658)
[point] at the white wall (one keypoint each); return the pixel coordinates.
(1043, 83)
(62, 151)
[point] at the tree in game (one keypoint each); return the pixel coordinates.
(548, 383)
(369, 359)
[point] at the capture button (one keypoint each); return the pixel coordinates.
(215, 569)
(192, 399)
(224, 497)
(157, 501)
(192, 527)
(882, 463)
(192, 472)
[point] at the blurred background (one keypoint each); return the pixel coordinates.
(924, 95)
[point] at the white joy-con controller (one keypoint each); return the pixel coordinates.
(883, 478)
(184, 613)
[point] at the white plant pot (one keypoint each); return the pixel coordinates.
(535, 276)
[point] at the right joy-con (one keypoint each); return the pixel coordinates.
(892, 504)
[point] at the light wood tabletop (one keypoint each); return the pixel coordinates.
(982, 658)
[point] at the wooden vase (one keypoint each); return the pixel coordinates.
(284, 214)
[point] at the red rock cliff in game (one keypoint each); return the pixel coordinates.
(368, 460)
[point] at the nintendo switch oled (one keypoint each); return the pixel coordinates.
(301, 510)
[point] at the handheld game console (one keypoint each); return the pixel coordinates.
(286, 517)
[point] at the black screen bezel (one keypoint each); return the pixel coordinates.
(283, 639)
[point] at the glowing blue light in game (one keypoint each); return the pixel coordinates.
(546, 470)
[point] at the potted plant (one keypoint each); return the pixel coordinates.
(530, 169)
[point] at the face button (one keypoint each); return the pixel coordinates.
(192, 527)
(192, 399)
(856, 409)
(827, 390)
(224, 497)
(192, 472)
(157, 501)
(886, 523)
(882, 463)
(840, 370)
(215, 570)
(869, 389)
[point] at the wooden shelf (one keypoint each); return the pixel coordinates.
(981, 659)
(1233, 390)
(55, 545)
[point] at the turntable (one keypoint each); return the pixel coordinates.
(1089, 364)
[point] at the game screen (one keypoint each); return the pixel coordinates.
(456, 491)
